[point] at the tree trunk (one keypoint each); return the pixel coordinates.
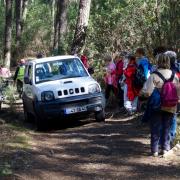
(20, 13)
(53, 5)
(60, 26)
(158, 21)
(56, 27)
(8, 33)
(81, 26)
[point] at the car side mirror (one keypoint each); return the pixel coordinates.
(91, 70)
(27, 80)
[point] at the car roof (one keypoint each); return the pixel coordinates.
(53, 58)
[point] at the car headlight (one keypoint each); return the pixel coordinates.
(47, 96)
(94, 88)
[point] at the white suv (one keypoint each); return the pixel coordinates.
(59, 87)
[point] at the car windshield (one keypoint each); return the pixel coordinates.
(59, 69)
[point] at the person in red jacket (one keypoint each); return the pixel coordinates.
(84, 60)
(130, 93)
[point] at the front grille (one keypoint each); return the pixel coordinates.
(71, 91)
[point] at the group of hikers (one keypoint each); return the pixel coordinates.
(133, 79)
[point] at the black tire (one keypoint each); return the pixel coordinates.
(41, 124)
(100, 116)
(27, 116)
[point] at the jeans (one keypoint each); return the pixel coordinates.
(173, 128)
(160, 123)
(19, 86)
(120, 96)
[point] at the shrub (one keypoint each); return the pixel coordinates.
(10, 97)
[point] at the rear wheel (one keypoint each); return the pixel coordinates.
(100, 116)
(27, 115)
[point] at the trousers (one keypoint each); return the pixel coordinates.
(160, 124)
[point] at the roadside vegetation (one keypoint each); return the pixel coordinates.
(14, 139)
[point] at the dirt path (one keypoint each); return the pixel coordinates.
(111, 150)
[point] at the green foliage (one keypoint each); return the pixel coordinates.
(5, 170)
(10, 92)
(113, 25)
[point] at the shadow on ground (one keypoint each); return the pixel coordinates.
(90, 150)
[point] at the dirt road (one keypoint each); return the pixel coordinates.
(111, 150)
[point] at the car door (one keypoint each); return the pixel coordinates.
(28, 96)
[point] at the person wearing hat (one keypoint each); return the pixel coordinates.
(19, 76)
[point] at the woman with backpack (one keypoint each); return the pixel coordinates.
(163, 88)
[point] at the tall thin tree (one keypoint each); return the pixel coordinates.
(81, 26)
(8, 33)
(60, 25)
(20, 14)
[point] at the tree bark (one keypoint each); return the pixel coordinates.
(56, 28)
(158, 21)
(60, 26)
(81, 26)
(20, 13)
(8, 33)
(53, 5)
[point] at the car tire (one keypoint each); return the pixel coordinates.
(27, 116)
(41, 124)
(100, 116)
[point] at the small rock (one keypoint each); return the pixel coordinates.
(51, 152)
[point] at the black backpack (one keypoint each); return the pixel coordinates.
(139, 78)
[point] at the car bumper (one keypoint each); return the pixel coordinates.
(58, 108)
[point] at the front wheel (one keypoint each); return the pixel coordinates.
(27, 117)
(41, 124)
(100, 116)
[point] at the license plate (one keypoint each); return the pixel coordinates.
(75, 110)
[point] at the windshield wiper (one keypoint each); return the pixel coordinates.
(45, 80)
(72, 76)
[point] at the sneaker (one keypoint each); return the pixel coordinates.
(155, 154)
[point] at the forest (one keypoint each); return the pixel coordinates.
(56, 27)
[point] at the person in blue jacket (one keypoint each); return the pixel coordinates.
(143, 61)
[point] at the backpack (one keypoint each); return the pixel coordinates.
(169, 96)
(139, 78)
